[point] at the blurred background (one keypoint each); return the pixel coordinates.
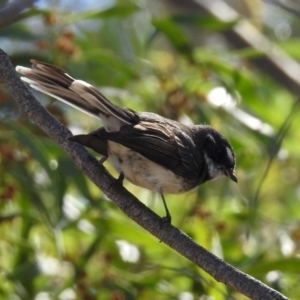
(231, 64)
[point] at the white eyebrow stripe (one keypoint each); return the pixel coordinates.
(230, 154)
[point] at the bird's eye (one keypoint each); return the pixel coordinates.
(219, 152)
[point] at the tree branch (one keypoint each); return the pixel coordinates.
(12, 11)
(130, 205)
(272, 61)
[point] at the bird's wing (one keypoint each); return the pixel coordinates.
(55, 82)
(156, 142)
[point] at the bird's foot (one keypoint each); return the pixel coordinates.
(167, 219)
(119, 180)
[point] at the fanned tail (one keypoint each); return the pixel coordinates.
(55, 82)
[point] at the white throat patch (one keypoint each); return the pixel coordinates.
(214, 170)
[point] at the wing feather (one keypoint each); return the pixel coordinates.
(159, 144)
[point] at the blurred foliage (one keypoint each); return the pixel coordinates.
(61, 238)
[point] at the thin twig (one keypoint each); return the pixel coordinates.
(12, 11)
(274, 149)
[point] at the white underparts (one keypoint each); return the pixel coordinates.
(142, 172)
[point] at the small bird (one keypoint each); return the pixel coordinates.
(147, 149)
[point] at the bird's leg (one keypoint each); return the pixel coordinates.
(168, 217)
(103, 159)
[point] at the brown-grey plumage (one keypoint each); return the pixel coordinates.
(149, 150)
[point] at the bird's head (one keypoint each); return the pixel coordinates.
(219, 156)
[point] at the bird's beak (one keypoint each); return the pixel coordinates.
(231, 175)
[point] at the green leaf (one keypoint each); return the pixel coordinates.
(175, 33)
(37, 148)
(286, 265)
(119, 11)
(17, 31)
(25, 272)
(204, 22)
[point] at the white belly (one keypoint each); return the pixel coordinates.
(145, 173)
